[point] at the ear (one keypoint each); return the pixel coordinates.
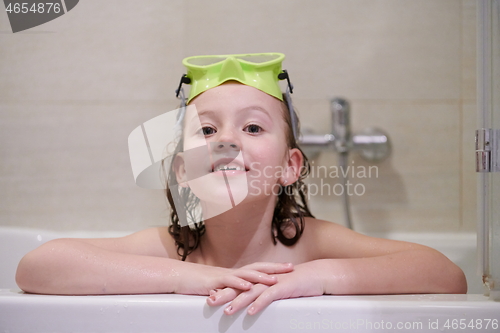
(294, 166)
(180, 170)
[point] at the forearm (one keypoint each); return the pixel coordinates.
(413, 271)
(72, 267)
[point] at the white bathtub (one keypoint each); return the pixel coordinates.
(21, 312)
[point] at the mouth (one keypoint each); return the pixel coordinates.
(228, 165)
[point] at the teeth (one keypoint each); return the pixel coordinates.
(225, 167)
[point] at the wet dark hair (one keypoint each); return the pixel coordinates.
(290, 210)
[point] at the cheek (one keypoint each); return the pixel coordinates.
(197, 161)
(194, 142)
(279, 152)
(273, 153)
(270, 163)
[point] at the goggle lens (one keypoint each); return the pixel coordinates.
(250, 58)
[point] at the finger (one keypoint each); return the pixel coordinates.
(245, 298)
(254, 276)
(271, 267)
(263, 300)
(236, 282)
(213, 291)
(223, 296)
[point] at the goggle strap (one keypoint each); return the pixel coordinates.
(293, 115)
(184, 79)
(289, 90)
(182, 110)
(284, 75)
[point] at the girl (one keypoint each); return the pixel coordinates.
(257, 241)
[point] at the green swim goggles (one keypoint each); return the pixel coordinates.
(259, 70)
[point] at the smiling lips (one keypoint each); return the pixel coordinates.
(228, 165)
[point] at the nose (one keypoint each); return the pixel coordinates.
(224, 150)
(226, 141)
(225, 146)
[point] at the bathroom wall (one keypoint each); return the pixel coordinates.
(71, 91)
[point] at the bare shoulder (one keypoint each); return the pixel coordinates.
(151, 242)
(326, 239)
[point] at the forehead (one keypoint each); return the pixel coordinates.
(233, 95)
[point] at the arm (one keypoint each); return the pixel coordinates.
(71, 266)
(414, 271)
(348, 263)
(127, 266)
(370, 265)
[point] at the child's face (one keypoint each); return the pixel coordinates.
(243, 130)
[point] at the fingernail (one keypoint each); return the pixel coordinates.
(213, 298)
(228, 309)
(251, 311)
(211, 292)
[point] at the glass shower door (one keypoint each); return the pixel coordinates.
(488, 144)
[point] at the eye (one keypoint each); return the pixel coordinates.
(253, 129)
(208, 130)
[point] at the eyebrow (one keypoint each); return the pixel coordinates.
(256, 108)
(188, 121)
(204, 112)
(245, 109)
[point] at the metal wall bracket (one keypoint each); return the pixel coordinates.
(488, 150)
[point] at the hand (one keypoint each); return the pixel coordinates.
(305, 280)
(209, 278)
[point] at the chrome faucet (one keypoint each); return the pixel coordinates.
(341, 124)
(372, 144)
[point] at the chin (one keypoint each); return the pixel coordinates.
(216, 195)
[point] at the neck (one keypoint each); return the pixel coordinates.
(239, 236)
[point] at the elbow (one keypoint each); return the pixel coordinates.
(25, 276)
(442, 276)
(35, 271)
(457, 281)
(450, 279)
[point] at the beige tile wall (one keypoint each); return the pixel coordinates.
(71, 91)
